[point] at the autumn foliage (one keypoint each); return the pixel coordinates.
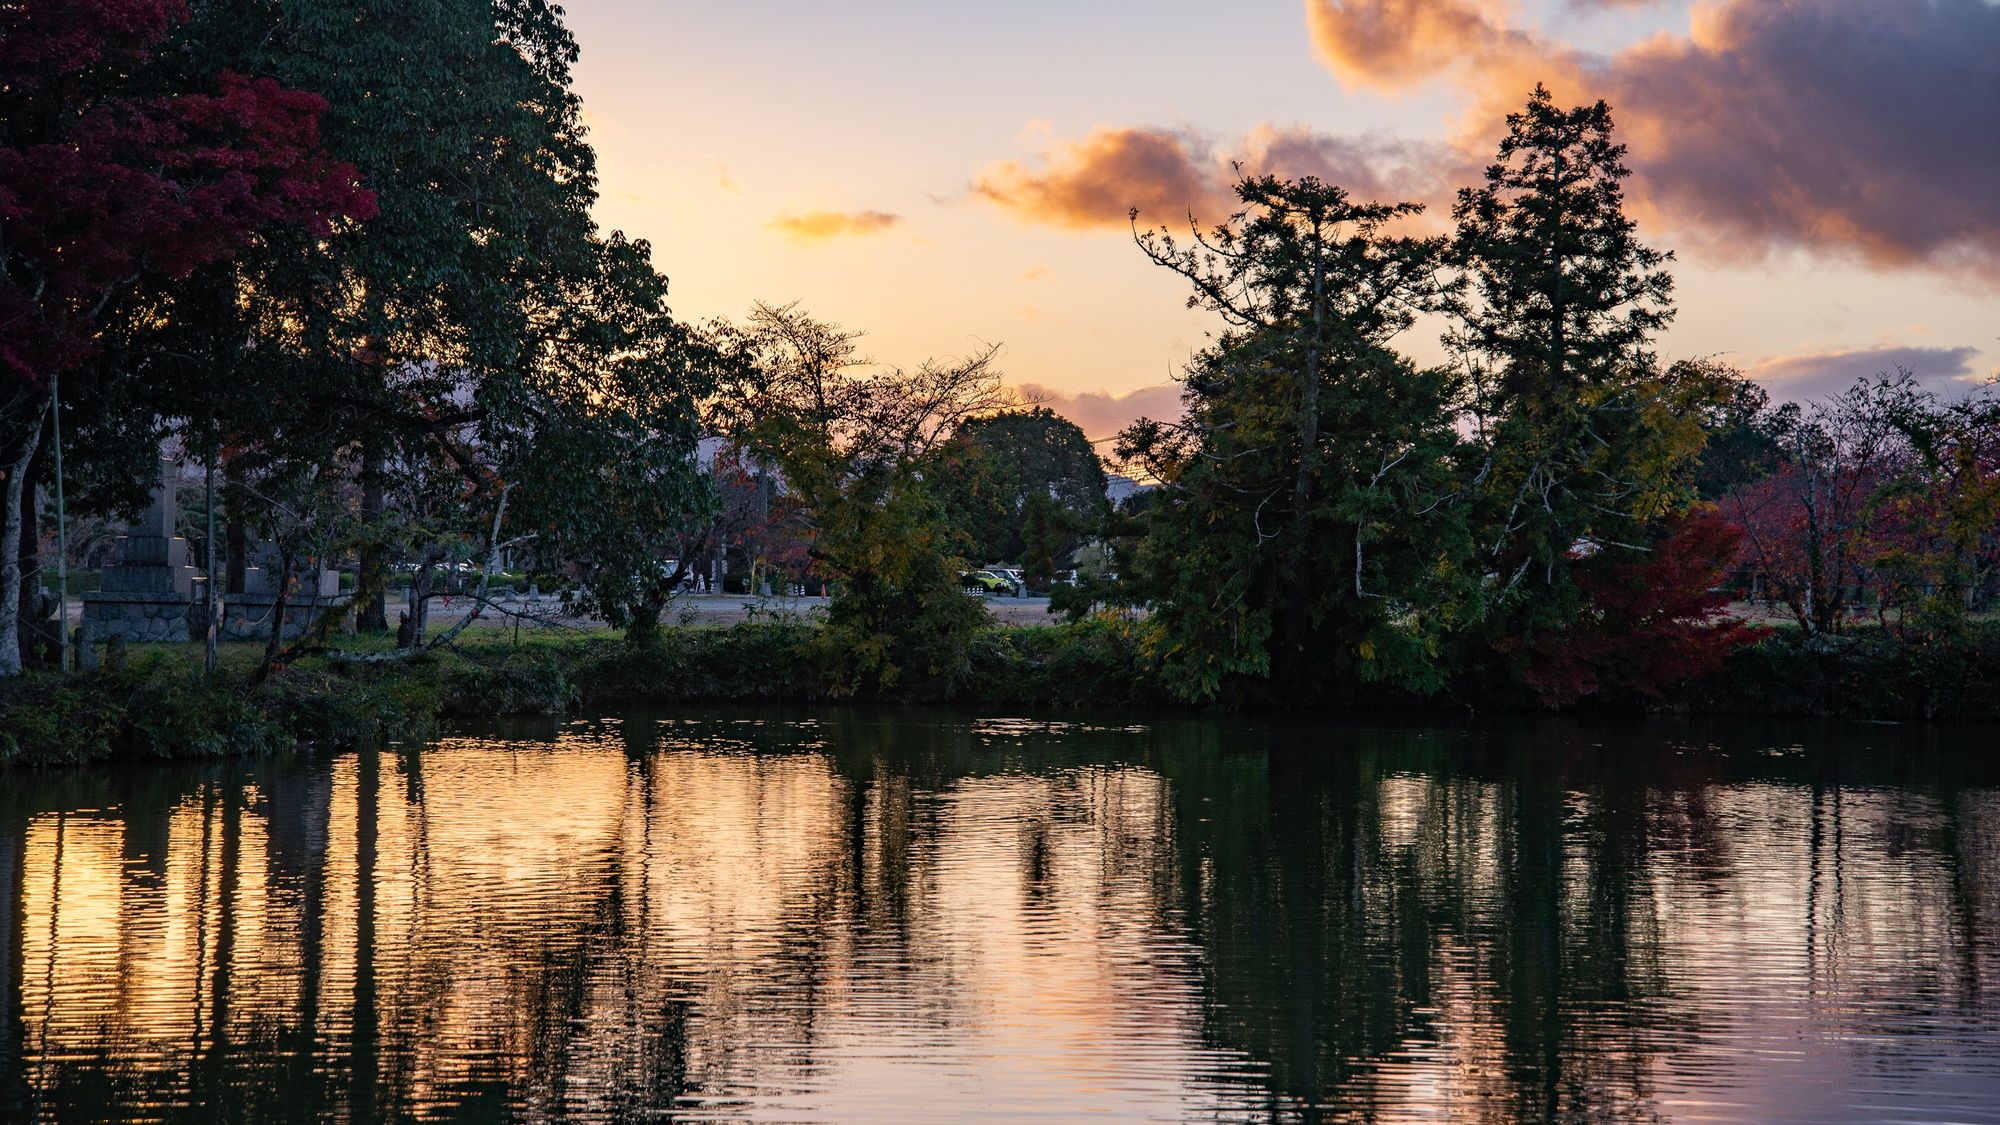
(111, 172)
(1649, 620)
(1886, 504)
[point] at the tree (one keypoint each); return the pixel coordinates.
(481, 325)
(1004, 462)
(1885, 493)
(1804, 527)
(1584, 439)
(1650, 620)
(117, 169)
(1936, 541)
(1740, 446)
(606, 473)
(857, 446)
(1050, 535)
(1306, 528)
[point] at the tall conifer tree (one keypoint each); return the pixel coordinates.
(1586, 439)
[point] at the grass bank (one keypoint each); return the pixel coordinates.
(158, 706)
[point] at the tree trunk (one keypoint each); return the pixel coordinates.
(644, 628)
(1308, 416)
(419, 604)
(10, 534)
(274, 641)
(236, 532)
(1292, 631)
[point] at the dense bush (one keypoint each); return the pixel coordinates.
(150, 710)
(158, 709)
(1870, 674)
(1097, 661)
(765, 660)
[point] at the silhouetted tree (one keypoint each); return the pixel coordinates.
(1585, 439)
(1306, 528)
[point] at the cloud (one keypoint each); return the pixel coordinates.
(1805, 376)
(1095, 183)
(1100, 414)
(1388, 44)
(1869, 129)
(822, 226)
(1862, 130)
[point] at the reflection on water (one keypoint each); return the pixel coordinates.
(910, 916)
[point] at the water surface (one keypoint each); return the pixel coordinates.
(887, 916)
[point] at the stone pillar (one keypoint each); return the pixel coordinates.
(146, 591)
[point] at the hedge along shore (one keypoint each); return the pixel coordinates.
(156, 707)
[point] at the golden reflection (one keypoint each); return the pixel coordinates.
(589, 927)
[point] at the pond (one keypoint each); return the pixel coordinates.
(921, 916)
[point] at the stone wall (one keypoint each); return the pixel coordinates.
(247, 617)
(138, 616)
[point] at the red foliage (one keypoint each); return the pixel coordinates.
(1649, 621)
(103, 182)
(1802, 534)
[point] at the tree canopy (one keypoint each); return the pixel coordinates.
(1005, 463)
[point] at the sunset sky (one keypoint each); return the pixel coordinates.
(946, 174)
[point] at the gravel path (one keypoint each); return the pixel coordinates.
(710, 609)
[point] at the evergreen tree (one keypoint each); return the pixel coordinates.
(1306, 529)
(1585, 439)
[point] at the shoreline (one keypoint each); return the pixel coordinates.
(158, 708)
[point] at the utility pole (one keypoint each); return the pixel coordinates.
(62, 531)
(208, 548)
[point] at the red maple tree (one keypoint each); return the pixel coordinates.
(1650, 620)
(109, 173)
(117, 172)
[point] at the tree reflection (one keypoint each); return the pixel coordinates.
(864, 915)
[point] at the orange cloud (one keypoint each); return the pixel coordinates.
(1097, 182)
(823, 226)
(1168, 174)
(1387, 44)
(1862, 129)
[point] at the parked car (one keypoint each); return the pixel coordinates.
(985, 582)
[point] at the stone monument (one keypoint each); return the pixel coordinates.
(146, 591)
(150, 592)
(247, 616)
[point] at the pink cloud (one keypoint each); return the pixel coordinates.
(1804, 376)
(1864, 129)
(1100, 414)
(1168, 174)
